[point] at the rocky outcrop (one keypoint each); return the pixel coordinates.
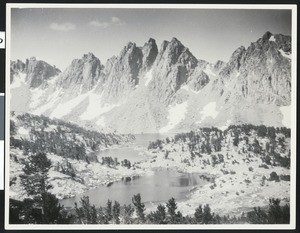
(37, 71)
(123, 73)
(198, 80)
(150, 52)
(234, 63)
(262, 72)
(219, 65)
(172, 67)
(16, 67)
(82, 74)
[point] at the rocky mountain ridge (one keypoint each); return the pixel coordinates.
(146, 89)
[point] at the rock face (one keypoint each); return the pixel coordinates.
(122, 73)
(150, 52)
(171, 70)
(262, 72)
(16, 67)
(83, 74)
(144, 89)
(198, 79)
(37, 72)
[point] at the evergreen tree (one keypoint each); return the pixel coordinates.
(86, 214)
(199, 215)
(35, 176)
(139, 207)
(158, 216)
(257, 216)
(94, 218)
(278, 214)
(127, 214)
(108, 210)
(173, 216)
(35, 182)
(116, 212)
(207, 215)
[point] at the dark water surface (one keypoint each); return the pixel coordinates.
(159, 187)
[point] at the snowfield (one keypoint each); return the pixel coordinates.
(148, 77)
(51, 101)
(101, 121)
(272, 38)
(286, 112)
(227, 124)
(65, 108)
(19, 80)
(187, 88)
(175, 116)
(289, 56)
(209, 110)
(208, 71)
(36, 95)
(94, 108)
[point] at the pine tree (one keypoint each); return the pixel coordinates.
(257, 216)
(173, 217)
(158, 216)
(139, 207)
(127, 213)
(94, 218)
(207, 215)
(35, 176)
(199, 215)
(274, 212)
(45, 207)
(86, 214)
(116, 212)
(108, 210)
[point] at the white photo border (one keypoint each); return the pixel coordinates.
(291, 226)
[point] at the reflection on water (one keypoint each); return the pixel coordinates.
(159, 187)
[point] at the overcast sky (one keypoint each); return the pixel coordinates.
(60, 35)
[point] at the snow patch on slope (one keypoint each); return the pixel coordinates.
(208, 71)
(286, 112)
(187, 88)
(209, 110)
(64, 109)
(227, 124)
(101, 122)
(94, 109)
(53, 80)
(51, 100)
(272, 38)
(148, 77)
(18, 81)
(176, 115)
(287, 55)
(36, 95)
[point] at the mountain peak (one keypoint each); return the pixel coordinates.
(89, 56)
(267, 35)
(175, 40)
(151, 41)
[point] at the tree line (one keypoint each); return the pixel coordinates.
(247, 138)
(63, 139)
(43, 207)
